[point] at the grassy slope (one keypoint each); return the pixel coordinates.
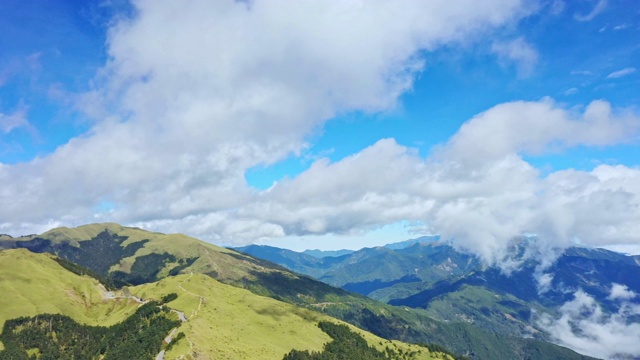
(231, 323)
(212, 259)
(33, 284)
(224, 321)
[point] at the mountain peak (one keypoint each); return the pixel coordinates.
(82, 232)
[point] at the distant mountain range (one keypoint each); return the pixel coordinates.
(453, 286)
(395, 246)
(325, 253)
(222, 303)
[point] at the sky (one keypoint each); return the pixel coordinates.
(325, 124)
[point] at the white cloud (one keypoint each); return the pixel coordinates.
(585, 328)
(621, 27)
(13, 121)
(570, 91)
(519, 52)
(621, 73)
(536, 128)
(621, 292)
(597, 9)
(475, 190)
(195, 94)
(581, 72)
(629, 249)
(544, 281)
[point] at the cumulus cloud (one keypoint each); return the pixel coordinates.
(518, 51)
(621, 73)
(584, 327)
(476, 190)
(536, 128)
(195, 94)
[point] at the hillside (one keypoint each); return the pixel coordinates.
(222, 321)
(130, 254)
(141, 257)
(231, 323)
(33, 284)
(26, 283)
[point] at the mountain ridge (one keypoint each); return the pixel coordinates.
(456, 287)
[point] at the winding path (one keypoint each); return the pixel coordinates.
(110, 295)
(195, 312)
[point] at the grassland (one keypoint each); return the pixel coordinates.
(225, 322)
(210, 259)
(33, 284)
(229, 323)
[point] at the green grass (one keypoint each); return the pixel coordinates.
(224, 321)
(232, 323)
(33, 284)
(213, 260)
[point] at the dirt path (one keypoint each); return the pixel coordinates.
(180, 315)
(160, 355)
(194, 313)
(110, 295)
(200, 297)
(170, 336)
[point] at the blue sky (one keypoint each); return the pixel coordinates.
(324, 125)
(574, 60)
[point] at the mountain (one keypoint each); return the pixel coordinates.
(146, 259)
(26, 282)
(494, 294)
(378, 272)
(407, 243)
(244, 325)
(324, 253)
(455, 287)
